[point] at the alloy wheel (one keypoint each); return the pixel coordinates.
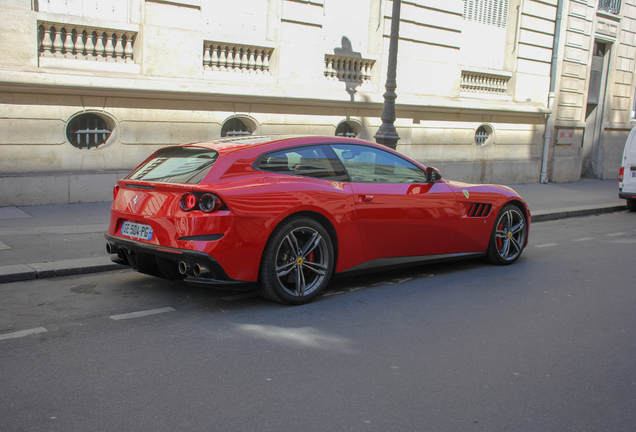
(302, 261)
(510, 234)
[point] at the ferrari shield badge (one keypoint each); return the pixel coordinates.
(465, 193)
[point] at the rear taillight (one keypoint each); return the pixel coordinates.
(205, 202)
(620, 174)
(115, 192)
(188, 201)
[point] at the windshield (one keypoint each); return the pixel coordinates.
(176, 165)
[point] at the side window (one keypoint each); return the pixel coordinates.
(318, 162)
(367, 164)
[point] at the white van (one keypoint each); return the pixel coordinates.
(627, 175)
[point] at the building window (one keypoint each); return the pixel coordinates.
(610, 6)
(111, 10)
(489, 12)
(482, 135)
(234, 127)
(483, 37)
(89, 130)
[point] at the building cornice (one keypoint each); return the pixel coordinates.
(86, 83)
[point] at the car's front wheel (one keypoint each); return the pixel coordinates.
(508, 236)
(297, 262)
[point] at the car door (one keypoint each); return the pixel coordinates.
(399, 213)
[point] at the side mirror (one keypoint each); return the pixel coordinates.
(432, 174)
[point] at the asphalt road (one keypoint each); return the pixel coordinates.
(547, 344)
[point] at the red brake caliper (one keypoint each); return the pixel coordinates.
(309, 258)
(499, 240)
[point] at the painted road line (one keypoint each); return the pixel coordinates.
(546, 245)
(327, 294)
(583, 239)
(615, 234)
(22, 333)
(239, 296)
(141, 313)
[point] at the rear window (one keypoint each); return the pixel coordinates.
(176, 165)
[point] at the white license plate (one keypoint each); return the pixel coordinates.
(135, 230)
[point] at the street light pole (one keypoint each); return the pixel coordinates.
(387, 134)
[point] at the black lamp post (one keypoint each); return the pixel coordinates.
(387, 134)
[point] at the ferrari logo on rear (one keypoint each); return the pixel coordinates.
(465, 193)
(135, 199)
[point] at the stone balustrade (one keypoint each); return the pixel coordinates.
(348, 69)
(226, 57)
(86, 43)
(485, 83)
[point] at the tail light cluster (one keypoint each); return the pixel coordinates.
(620, 174)
(206, 202)
(115, 192)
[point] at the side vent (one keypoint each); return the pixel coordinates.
(479, 210)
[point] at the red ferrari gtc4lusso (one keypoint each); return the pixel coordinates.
(287, 213)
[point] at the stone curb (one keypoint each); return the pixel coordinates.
(570, 212)
(22, 272)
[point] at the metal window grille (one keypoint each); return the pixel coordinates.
(344, 129)
(489, 12)
(87, 131)
(234, 127)
(481, 136)
(611, 6)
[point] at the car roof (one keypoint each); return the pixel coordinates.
(227, 146)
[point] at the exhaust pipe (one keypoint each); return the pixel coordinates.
(199, 270)
(110, 249)
(184, 268)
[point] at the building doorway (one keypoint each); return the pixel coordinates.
(591, 150)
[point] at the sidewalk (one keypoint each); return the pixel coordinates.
(57, 240)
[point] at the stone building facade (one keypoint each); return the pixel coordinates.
(89, 88)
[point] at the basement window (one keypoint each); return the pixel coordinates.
(89, 130)
(482, 135)
(344, 129)
(235, 127)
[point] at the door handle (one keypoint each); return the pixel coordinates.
(365, 198)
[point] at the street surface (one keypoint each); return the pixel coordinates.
(547, 344)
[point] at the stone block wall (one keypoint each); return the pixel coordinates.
(170, 72)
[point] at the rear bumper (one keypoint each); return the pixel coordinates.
(627, 195)
(164, 261)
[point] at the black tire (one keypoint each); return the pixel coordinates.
(508, 236)
(631, 205)
(297, 262)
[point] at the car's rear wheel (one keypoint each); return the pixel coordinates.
(508, 236)
(297, 262)
(631, 205)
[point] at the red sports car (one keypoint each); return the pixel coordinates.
(287, 213)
